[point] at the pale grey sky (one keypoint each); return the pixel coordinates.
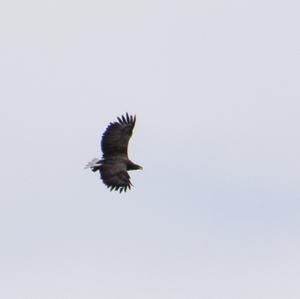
(215, 87)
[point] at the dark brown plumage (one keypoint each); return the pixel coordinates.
(115, 163)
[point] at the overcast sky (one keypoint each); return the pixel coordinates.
(215, 87)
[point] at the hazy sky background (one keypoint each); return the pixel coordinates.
(215, 87)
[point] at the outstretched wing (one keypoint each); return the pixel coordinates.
(114, 175)
(116, 137)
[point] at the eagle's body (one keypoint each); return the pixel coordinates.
(115, 163)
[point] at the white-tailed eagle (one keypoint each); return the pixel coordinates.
(115, 163)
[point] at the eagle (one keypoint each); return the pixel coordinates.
(115, 164)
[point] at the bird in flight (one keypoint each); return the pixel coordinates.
(115, 164)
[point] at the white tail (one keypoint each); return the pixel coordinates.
(92, 163)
